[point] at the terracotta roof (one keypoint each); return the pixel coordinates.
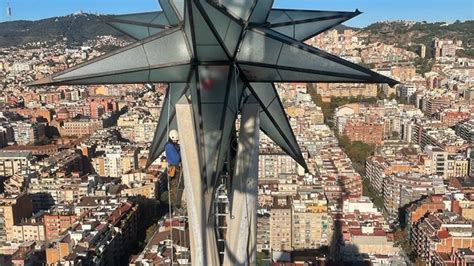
(443, 234)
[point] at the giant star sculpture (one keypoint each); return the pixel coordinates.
(219, 53)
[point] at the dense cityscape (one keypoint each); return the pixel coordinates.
(390, 180)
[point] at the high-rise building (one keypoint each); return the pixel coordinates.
(310, 223)
(378, 167)
(13, 162)
(145, 130)
(28, 133)
(466, 130)
(345, 90)
(435, 104)
(274, 163)
(444, 138)
(263, 233)
(116, 160)
(419, 209)
(370, 133)
(56, 222)
(280, 225)
(406, 91)
(113, 160)
(403, 73)
(7, 135)
(403, 188)
(96, 109)
(31, 229)
(81, 127)
(441, 232)
(12, 210)
(452, 117)
(447, 164)
(109, 231)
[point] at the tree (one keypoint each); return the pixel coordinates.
(150, 231)
(420, 261)
(370, 192)
(262, 259)
(344, 141)
(357, 151)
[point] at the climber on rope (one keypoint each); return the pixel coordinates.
(173, 156)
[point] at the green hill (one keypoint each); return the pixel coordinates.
(404, 33)
(79, 28)
(76, 28)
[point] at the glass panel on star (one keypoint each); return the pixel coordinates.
(176, 91)
(239, 8)
(257, 47)
(269, 97)
(276, 111)
(170, 74)
(292, 56)
(235, 92)
(311, 14)
(305, 31)
(267, 126)
(259, 73)
(278, 16)
(179, 6)
(205, 37)
(166, 119)
(219, 20)
(261, 11)
(160, 19)
(212, 129)
(187, 28)
(123, 60)
(154, 30)
(210, 52)
(167, 49)
(147, 17)
(232, 37)
(286, 30)
(138, 32)
(193, 94)
(213, 83)
(264, 92)
(119, 78)
(169, 11)
(228, 30)
(295, 76)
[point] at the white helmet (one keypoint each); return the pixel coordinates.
(174, 135)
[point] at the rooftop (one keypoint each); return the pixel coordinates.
(14, 154)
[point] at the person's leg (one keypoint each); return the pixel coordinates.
(179, 187)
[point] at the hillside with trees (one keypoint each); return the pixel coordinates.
(77, 28)
(405, 34)
(81, 27)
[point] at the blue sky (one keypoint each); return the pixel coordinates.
(374, 10)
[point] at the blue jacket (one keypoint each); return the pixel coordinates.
(172, 154)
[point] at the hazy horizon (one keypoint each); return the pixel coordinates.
(345, 24)
(421, 10)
